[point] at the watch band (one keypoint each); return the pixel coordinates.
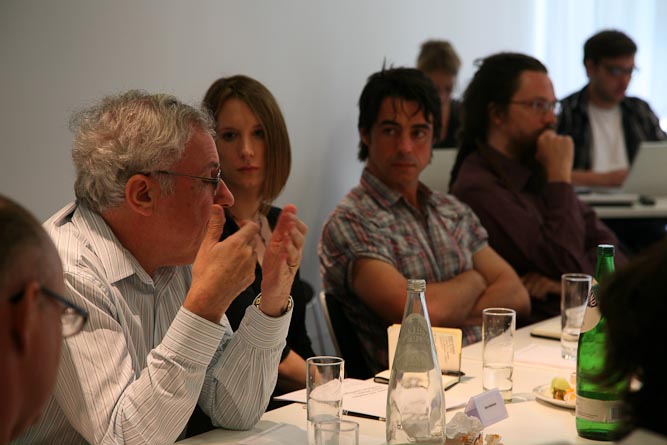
(290, 303)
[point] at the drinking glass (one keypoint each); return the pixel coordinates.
(498, 327)
(324, 390)
(336, 432)
(573, 296)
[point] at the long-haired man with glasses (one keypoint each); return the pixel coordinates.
(141, 254)
(606, 125)
(515, 173)
(34, 318)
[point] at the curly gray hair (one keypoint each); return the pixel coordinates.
(126, 134)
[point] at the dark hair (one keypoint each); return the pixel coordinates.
(438, 55)
(408, 84)
(265, 108)
(634, 302)
(494, 83)
(18, 230)
(608, 44)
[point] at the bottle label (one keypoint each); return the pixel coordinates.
(592, 313)
(414, 351)
(604, 411)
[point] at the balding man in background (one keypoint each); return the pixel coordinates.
(33, 318)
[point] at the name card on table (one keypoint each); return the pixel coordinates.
(488, 407)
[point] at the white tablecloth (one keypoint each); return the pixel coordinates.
(530, 421)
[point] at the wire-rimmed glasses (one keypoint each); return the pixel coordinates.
(72, 317)
(617, 70)
(540, 105)
(214, 181)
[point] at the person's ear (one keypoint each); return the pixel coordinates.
(496, 114)
(24, 317)
(365, 137)
(590, 67)
(141, 193)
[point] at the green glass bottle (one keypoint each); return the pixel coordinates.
(599, 409)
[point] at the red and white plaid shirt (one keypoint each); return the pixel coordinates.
(373, 221)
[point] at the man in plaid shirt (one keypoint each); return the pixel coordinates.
(391, 227)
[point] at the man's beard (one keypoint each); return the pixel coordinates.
(538, 178)
(608, 95)
(526, 150)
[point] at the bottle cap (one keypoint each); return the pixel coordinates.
(606, 249)
(416, 285)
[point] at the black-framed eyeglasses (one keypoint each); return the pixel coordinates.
(540, 105)
(72, 317)
(617, 70)
(214, 181)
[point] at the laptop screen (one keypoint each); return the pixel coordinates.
(648, 174)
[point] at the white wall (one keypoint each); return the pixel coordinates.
(58, 56)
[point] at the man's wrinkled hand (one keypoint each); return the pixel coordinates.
(222, 269)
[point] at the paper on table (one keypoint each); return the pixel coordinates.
(365, 397)
(359, 396)
(279, 434)
(543, 355)
(287, 434)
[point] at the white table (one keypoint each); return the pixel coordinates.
(530, 421)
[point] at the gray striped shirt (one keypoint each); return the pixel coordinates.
(142, 363)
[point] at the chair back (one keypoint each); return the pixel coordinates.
(344, 338)
(327, 320)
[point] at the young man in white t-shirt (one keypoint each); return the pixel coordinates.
(607, 126)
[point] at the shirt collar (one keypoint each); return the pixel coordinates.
(116, 260)
(583, 100)
(513, 173)
(387, 197)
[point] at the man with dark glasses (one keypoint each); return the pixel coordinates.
(34, 318)
(606, 125)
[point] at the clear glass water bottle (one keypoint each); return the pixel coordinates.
(415, 397)
(599, 409)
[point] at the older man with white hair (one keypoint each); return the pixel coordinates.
(149, 204)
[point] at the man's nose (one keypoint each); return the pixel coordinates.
(549, 118)
(405, 143)
(223, 195)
